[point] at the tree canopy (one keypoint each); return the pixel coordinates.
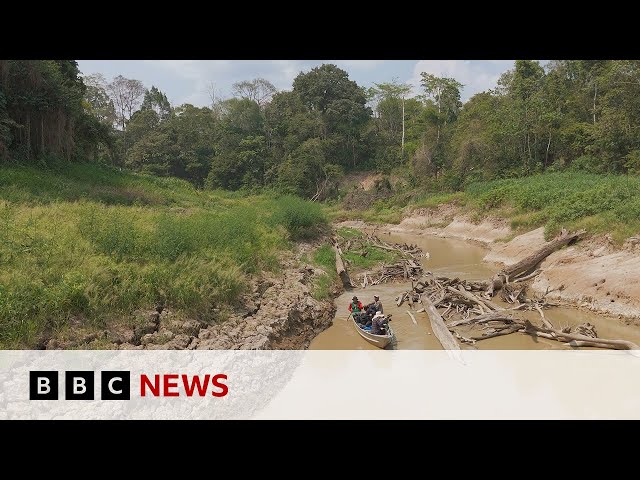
(567, 114)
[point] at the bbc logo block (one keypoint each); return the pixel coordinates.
(80, 385)
(43, 385)
(115, 385)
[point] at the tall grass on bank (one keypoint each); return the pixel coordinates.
(325, 258)
(95, 244)
(302, 219)
(598, 203)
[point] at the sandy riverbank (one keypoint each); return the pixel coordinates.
(592, 274)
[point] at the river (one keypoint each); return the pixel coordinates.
(452, 258)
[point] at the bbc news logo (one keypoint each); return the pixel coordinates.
(116, 385)
(80, 385)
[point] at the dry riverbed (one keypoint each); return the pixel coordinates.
(592, 274)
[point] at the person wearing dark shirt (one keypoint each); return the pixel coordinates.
(377, 323)
(376, 306)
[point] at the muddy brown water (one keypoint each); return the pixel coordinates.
(452, 258)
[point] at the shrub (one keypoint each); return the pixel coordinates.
(587, 163)
(302, 219)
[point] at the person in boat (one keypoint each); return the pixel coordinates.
(375, 306)
(356, 305)
(356, 308)
(378, 323)
(371, 310)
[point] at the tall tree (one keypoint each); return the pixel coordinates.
(526, 84)
(126, 94)
(445, 92)
(386, 96)
(157, 101)
(43, 110)
(257, 90)
(97, 99)
(341, 106)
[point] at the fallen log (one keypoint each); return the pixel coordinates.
(498, 333)
(440, 329)
(464, 339)
(581, 340)
(546, 322)
(410, 300)
(404, 250)
(489, 317)
(530, 262)
(584, 343)
(527, 277)
(618, 344)
(340, 268)
(470, 296)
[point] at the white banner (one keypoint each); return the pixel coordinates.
(319, 384)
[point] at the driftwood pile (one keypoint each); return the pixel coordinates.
(467, 306)
(408, 268)
(467, 312)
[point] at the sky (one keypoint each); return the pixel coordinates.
(187, 81)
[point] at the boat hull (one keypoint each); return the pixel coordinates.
(380, 341)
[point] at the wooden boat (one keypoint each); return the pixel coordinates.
(380, 341)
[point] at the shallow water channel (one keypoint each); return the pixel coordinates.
(452, 258)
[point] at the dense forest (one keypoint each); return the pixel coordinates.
(567, 114)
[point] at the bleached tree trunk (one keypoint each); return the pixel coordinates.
(595, 95)
(546, 156)
(403, 126)
(440, 329)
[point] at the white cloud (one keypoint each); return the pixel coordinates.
(476, 75)
(192, 69)
(358, 64)
(198, 74)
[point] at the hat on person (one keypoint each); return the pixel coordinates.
(376, 296)
(354, 298)
(378, 314)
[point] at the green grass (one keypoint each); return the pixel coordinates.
(599, 203)
(302, 219)
(433, 200)
(383, 215)
(573, 200)
(348, 233)
(374, 257)
(95, 244)
(381, 212)
(325, 258)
